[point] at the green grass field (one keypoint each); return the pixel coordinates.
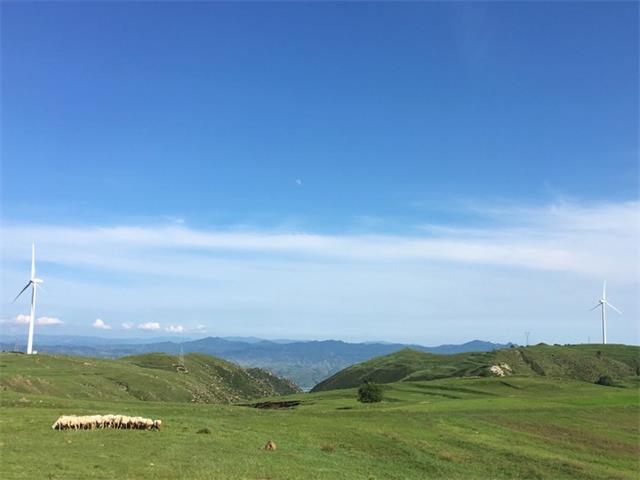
(471, 427)
(577, 362)
(153, 377)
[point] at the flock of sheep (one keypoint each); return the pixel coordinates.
(90, 422)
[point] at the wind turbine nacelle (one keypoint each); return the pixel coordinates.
(37, 280)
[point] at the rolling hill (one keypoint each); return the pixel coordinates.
(156, 376)
(578, 362)
(455, 428)
(548, 420)
(304, 362)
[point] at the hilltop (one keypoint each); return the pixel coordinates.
(577, 362)
(304, 362)
(155, 376)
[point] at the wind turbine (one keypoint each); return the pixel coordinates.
(33, 283)
(603, 303)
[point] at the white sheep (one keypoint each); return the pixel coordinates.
(91, 422)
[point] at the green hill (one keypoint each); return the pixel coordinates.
(577, 362)
(523, 427)
(547, 421)
(155, 376)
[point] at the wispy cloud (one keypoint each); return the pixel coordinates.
(101, 325)
(533, 263)
(595, 240)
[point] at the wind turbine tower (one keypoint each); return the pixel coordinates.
(34, 282)
(603, 304)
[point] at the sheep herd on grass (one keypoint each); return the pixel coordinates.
(91, 422)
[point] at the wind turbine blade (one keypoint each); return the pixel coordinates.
(614, 308)
(33, 260)
(21, 291)
(604, 290)
(595, 307)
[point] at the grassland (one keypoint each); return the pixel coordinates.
(153, 377)
(577, 362)
(523, 426)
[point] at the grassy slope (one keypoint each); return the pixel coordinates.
(144, 377)
(580, 362)
(520, 427)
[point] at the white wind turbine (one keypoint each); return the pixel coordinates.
(33, 283)
(603, 303)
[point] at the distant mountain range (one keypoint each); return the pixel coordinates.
(304, 362)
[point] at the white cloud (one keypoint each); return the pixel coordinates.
(175, 329)
(126, 326)
(99, 323)
(49, 321)
(513, 267)
(149, 326)
(558, 237)
(22, 319)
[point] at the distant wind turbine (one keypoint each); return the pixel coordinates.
(33, 283)
(603, 303)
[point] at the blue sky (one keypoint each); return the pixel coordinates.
(357, 171)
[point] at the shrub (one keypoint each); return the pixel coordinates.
(204, 430)
(369, 393)
(605, 380)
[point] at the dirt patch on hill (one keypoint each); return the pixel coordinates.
(273, 405)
